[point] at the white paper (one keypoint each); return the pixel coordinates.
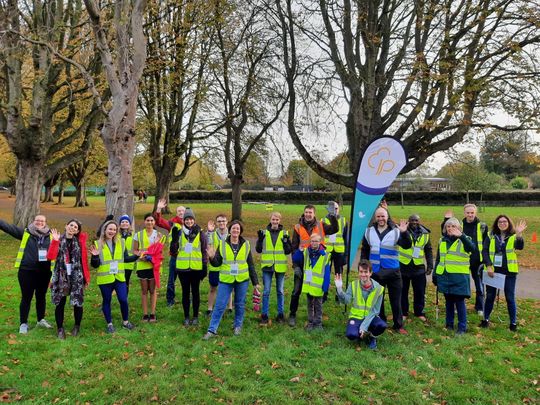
(497, 281)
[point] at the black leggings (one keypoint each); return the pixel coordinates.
(33, 282)
(59, 314)
(190, 280)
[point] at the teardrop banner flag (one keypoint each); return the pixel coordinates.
(381, 162)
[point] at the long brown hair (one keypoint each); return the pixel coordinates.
(495, 227)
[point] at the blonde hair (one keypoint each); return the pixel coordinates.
(315, 235)
(453, 221)
(275, 214)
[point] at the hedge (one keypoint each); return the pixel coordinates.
(393, 197)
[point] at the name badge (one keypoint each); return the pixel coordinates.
(234, 269)
(309, 276)
(68, 269)
(498, 260)
(416, 252)
(188, 248)
(114, 267)
(332, 238)
(42, 255)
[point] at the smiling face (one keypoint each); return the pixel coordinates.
(503, 224)
(149, 222)
(124, 225)
(381, 217)
(180, 211)
(315, 241)
(364, 273)
(40, 221)
(110, 231)
(221, 223)
(470, 213)
(235, 231)
(189, 222)
(274, 221)
(309, 214)
(72, 228)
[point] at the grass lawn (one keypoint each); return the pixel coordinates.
(167, 363)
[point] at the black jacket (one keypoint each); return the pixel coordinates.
(217, 260)
(30, 260)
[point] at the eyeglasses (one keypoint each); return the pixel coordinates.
(221, 221)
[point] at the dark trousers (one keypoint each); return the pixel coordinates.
(338, 261)
(171, 280)
(121, 293)
(390, 279)
(509, 294)
(190, 281)
(314, 307)
(33, 282)
(418, 281)
(59, 314)
(376, 327)
(297, 290)
(128, 277)
(478, 286)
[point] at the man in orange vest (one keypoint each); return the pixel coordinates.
(301, 236)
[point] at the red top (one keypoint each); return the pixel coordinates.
(52, 254)
(163, 223)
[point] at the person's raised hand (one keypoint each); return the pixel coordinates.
(403, 224)
(161, 204)
(55, 234)
(94, 251)
(520, 227)
(211, 252)
(211, 226)
(449, 214)
(338, 281)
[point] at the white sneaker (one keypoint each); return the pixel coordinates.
(481, 314)
(23, 328)
(44, 324)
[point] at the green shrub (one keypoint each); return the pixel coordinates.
(519, 183)
(535, 180)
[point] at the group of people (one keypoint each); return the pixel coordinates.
(393, 257)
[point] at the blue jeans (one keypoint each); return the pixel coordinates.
(121, 293)
(457, 303)
(267, 281)
(509, 294)
(376, 327)
(171, 281)
(222, 298)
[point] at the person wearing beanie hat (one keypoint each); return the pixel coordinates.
(190, 244)
(126, 232)
(168, 225)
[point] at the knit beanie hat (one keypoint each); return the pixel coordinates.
(124, 217)
(189, 213)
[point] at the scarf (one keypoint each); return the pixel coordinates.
(38, 232)
(62, 283)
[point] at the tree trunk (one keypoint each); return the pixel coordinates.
(28, 191)
(48, 195)
(163, 187)
(236, 184)
(80, 194)
(120, 145)
(61, 192)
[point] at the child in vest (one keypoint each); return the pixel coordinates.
(365, 296)
(315, 263)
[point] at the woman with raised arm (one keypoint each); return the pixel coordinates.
(504, 241)
(70, 275)
(34, 270)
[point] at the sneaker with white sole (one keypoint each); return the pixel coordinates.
(44, 324)
(23, 328)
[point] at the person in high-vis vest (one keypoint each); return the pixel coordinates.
(190, 244)
(144, 266)
(380, 246)
(274, 245)
(365, 296)
(336, 243)
(34, 270)
(452, 271)
(300, 239)
(504, 241)
(234, 258)
(316, 270)
(71, 275)
(415, 263)
(478, 232)
(109, 254)
(168, 225)
(215, 235)
(126, 232)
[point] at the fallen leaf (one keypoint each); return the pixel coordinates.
(100, 376)
(295, 379)
(275, 365)
(45, 384)
(470, 359)
(412, 373)
(12, 342)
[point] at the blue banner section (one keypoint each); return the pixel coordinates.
(381, 162)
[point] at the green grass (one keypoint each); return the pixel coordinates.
(167, 363)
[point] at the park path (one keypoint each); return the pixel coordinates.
(528, 282)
